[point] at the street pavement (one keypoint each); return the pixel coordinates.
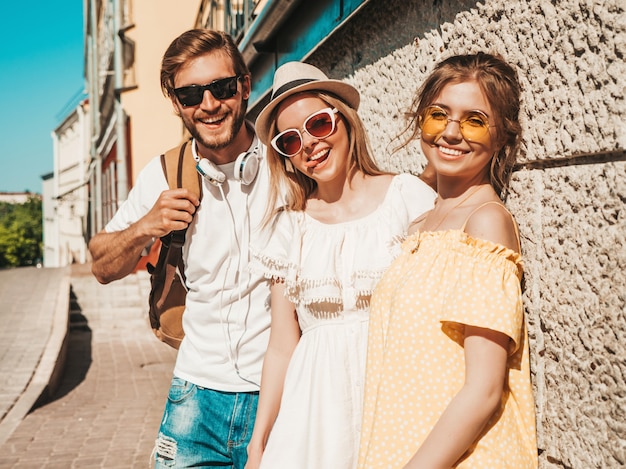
(103, 407)
(34, 315)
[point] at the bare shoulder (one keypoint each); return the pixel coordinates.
(493, 222)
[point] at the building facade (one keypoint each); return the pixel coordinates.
(66, 193)
(568, 192)
(15, 197)
(569, 188)
(131, 121)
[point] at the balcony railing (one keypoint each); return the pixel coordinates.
(233, 17)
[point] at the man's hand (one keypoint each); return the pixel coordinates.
(115, 255)
(173, 211)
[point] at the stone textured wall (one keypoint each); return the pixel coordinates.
(568, 197)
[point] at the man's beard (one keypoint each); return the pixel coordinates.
(220, 141)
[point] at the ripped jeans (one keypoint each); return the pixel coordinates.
(205, 428)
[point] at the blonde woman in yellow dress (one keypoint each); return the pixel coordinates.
(447, 379)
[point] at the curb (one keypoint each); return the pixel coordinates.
(49, 371)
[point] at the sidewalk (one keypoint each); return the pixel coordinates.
(34, 314)
(106, 410)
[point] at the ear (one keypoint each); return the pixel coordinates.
(289, 166)
(246, 87)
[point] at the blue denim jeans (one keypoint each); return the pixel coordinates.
(205, 428)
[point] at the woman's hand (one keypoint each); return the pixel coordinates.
(255, 452)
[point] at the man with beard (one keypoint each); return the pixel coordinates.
(212, 400)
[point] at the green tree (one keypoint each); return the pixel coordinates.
(20, 232)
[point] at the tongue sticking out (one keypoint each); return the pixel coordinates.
(318, 158)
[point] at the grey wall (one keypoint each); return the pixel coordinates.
(568, 198)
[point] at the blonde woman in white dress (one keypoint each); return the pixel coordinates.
(339, 229)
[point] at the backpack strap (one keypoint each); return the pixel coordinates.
(179, 168)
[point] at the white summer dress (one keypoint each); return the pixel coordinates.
(330, 272)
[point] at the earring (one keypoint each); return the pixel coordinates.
(289, 167)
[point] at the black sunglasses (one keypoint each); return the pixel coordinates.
(223, 88)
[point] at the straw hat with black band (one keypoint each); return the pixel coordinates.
(296, 77)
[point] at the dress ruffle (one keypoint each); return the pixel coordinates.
(467, 260)
(339, 263)
(460, 240)
(330, 271)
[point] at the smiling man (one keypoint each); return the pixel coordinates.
(212, 401)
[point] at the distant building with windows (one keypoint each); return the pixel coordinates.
(66, 192)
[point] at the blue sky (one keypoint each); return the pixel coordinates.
(41, 71)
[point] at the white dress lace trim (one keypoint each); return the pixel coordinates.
(330, 272)
(341, 263)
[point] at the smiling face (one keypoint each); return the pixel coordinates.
(325, 159)
(214, 123)
(452, 154)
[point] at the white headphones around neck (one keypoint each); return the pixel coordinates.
(245, 169)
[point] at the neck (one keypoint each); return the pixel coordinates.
(338, 190)
(447, 206)
(451, 188)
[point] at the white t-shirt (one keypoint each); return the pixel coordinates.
(227, 315)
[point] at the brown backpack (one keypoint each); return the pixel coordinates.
(167, 278)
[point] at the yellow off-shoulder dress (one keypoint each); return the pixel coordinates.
(441, 282)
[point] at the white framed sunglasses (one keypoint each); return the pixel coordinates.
(320, 125)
